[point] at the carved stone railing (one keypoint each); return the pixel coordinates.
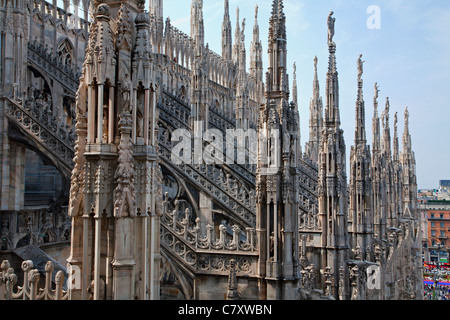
(45, 129)
(309, 219)
(221, 120)
(174, 112)
(38, 226)
(310, 177)
(30, 288)
(230, 194)
(48, 63)
(227, 190)
(206, 254)
(208, 262)
(180, 224)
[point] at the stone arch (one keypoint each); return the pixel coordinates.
(45, 86)
(190, 198)
(21, 136)
(173, 274)
(65, 52)
(23, 241)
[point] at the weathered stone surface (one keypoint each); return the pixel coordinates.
(101, 100)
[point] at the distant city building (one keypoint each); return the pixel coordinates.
(428, 194)
(436, 229)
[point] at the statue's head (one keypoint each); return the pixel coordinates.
(103, 10)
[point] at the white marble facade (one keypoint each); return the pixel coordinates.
(99, 93)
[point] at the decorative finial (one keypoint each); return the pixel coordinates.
(232, 282)
(406, 118)
(360, 68)
(395, 121)
(315, 63)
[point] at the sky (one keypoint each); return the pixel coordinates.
(407, 53)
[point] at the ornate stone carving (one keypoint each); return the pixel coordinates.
(123, 33)
(328, 276)
(29, 290)
(232, 282)
(124, 194)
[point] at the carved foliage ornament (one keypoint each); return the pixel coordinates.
(125, 192)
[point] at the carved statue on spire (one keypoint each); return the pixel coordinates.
(406, 118)
(360, 67)
(315, 63)
(331, 22)
(126, 90)
(377, 90)
(395, 120)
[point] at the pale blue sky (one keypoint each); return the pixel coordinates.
(409, 57)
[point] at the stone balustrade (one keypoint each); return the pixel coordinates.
(48, 62)
(30, 290)
(70, 19)
(180, 224)
(228, 194)
(201, 250)
(51, 133)
(34, 226)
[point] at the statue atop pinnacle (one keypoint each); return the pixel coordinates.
(331, 22)
(360, 68)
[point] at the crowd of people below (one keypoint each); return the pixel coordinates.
(433, 271)
(436, 292)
